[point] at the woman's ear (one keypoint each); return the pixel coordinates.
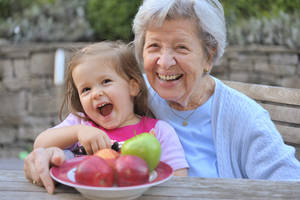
(211, 54)
(134, 88)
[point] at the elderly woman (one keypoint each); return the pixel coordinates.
(224, 133)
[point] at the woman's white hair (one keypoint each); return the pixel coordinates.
(208, 14)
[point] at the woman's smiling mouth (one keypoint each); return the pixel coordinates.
(169, 77)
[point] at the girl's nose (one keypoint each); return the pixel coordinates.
(166, 60)
(97, 92)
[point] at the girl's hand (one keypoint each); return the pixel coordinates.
(93, 139)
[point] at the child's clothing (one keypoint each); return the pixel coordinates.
(172, 151)
(146, 124)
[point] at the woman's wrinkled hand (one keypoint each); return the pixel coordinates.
(37, 164)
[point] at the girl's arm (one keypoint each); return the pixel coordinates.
(172, 152)
(59, 137)
(91, 138)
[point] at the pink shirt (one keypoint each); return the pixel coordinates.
(146, 124)
(172, 151)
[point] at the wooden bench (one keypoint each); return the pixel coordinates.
(283, 105)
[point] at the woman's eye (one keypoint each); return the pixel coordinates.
(181, 47)
(106, 81)
(153, 45)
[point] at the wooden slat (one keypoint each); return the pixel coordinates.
(283, 113)
(11, 163)
(289, 134)
(180, 188)
(283, 104)
(9, 195)
(12, 175)
(222, 189)
(268, 93)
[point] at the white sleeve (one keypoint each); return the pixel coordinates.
(172, 151)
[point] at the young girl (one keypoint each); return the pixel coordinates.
(106, 97)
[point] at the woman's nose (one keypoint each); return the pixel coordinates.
(166, 60)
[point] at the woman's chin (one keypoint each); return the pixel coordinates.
(169, 96)
(170, 85)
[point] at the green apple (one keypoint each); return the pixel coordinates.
(145, 146)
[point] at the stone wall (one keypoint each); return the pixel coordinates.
(30, 101)
(270, 65)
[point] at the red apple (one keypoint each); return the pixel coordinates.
(94, 171)
(131, 170)
(109, 155)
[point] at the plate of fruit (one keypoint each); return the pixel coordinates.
(109, 174)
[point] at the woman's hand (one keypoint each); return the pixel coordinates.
(93, 139)
(37, 163)
(181, 172)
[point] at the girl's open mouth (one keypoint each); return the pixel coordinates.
(105, 109)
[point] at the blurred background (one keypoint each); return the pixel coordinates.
(38, 36)
(271, 22)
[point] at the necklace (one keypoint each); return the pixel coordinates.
(185, 119)
(210, 90)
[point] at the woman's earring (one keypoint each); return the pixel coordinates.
(205, 70)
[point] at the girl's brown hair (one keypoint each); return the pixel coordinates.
(123, 59)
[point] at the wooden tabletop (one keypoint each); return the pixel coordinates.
(13, 185)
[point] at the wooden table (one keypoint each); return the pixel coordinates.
(13, 185)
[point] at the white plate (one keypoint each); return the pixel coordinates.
(65, 174)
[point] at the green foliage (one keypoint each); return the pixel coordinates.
(245, 9)
(283, 30)
(10, 8)
(44, 20)
(112, 19)
(248, 21)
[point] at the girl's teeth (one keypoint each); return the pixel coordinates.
(102, 104)
(106, 109)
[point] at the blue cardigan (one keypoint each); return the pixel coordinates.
(247, 143)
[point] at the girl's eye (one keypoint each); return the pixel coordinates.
(106, 81)
(85, 90)
(154, 45)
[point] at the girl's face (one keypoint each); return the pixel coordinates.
(105, 96)
(174, 60)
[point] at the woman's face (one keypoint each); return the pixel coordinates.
(174, 60)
